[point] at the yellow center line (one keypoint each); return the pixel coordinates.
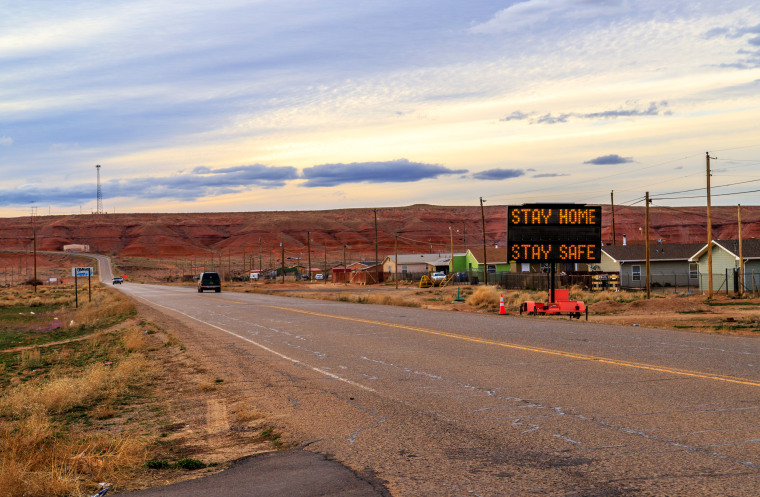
(527, 348)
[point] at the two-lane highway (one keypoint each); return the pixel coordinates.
(452, 403)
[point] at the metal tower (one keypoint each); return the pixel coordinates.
(99, 209)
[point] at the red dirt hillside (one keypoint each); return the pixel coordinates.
(421, 228)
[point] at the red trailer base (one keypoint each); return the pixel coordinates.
(561, 305)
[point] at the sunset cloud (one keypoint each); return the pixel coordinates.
(606, 160)
(397, 171)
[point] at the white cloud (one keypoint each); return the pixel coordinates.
(532, 13)
(6, 141)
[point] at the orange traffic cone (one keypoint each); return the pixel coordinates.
(501, 305)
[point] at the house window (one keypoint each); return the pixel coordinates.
(491, 269)
(403, 269)
(636, 273)
(693, 271)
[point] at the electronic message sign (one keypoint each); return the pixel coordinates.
(554, 233)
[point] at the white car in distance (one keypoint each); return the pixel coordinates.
(438, 277)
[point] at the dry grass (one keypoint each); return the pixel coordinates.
(368, 298)
(391, 300)
(38, 462)
(133, 339)
(60, 394)
(30, 359)
(242, 413)
(208, 386)
(44, 453)
(485, 297)
(103, 304)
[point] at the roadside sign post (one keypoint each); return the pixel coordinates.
(81, 271)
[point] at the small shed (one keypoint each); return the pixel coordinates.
(340, 274)
(368, 275)
(75, 247)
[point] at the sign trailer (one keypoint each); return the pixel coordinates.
(554, 233)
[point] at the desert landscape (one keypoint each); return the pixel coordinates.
(420, 229)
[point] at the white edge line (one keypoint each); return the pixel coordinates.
(271, 351)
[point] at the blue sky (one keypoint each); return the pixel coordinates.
(235, 105)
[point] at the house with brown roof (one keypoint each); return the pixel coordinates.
(670, 264)
(495, 259)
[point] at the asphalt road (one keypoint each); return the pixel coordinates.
(458, 404)
(292, 473)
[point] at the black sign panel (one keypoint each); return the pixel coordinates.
(554, 233)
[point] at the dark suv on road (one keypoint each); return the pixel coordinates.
(209, 281)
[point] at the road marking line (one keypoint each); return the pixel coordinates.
(527, 348)
(272, 351)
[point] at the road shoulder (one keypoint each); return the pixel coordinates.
(295, 473)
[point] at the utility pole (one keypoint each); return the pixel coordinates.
(395, 262)
(646, 244)
(34, 247)
(324, 276)
(308, 247)
(612, 202)
(282, 261)
(709, 231)
(260, 268)
(377, 270)
(345, 269)
(485, 261)
(741, 253)
(451, 232)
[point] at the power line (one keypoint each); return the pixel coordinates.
(737, 148)
(697, 214)
(716, 186)
(714, 194)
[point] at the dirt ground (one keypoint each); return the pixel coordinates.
(191, 413)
